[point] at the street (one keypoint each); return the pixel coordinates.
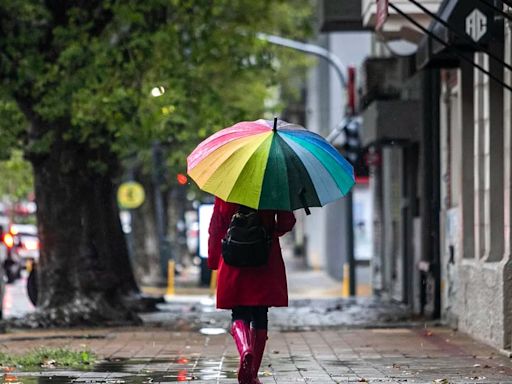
(16, 301)
(319, 338)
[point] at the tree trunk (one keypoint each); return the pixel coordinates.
(176, 203)
(146, 253)
(84, 269)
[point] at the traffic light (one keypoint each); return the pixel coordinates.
(351, 147)
(182, 179)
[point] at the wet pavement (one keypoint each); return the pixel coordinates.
(16, 302)
(319, 338)
(157, 355)
(313, 341)
(187, 314)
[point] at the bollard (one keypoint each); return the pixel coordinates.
(170, 278)
(345, 288)
(213, 283)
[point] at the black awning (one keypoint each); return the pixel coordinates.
(471, 26)
(341, 15)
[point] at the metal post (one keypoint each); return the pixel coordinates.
(165, 254)
(341, 71)
(350, 245)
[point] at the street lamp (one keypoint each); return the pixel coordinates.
(157, 91)
(311, 49)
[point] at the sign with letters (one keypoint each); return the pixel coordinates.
(476, 25)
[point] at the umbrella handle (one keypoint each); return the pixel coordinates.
(302, 198)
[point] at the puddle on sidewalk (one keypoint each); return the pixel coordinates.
(184, 368)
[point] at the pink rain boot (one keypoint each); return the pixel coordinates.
(241, 334)
(258, 341)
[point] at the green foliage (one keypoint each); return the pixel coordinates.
(16, 177)
(49, 358)
(12, 126)
(84, 71)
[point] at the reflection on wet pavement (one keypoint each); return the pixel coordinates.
(134, 371)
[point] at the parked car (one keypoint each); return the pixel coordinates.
(22, 245)
(4, 222)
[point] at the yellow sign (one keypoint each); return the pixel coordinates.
(130, 195)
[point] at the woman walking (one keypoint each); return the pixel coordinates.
(249, 291)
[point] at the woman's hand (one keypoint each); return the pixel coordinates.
(285, 222)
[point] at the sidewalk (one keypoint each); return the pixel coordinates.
(303, 281)
(152, 355)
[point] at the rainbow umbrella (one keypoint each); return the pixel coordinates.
(270, 165)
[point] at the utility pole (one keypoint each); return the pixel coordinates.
(344, 75)
(158, 172)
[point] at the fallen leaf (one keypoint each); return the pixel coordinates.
(48, 363)
(10, 378)
(441, 381)
(362, 380)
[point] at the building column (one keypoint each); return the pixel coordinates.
(430, 193)
(507, 139)
(488, 159)
(467, 202)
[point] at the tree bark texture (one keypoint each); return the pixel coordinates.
(84, 269)
(176, 206)
(146, 254)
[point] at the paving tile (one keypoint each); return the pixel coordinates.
(322, 356)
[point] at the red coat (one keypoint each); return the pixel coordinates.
(266, 285)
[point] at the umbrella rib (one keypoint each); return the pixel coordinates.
(275, 192)
(344, 180)
(326, 187)
(243, 179)
(305, 182)
(215, 181)
(321, 143)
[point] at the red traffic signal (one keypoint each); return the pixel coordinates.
(182, 179)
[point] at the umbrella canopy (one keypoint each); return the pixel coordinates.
(270, 165)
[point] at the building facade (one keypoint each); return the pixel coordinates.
(475, 123)
(441, 176)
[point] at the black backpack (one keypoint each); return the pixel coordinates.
(247, 243)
